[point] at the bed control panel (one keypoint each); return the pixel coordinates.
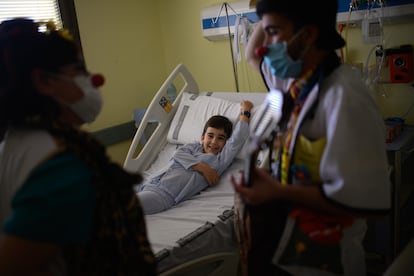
(226, 215)
(188, 238)
(165, 104)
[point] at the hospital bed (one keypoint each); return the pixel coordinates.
(197, 236)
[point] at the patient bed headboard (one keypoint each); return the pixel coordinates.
(160, 112)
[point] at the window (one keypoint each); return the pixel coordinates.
(62, 12)
(38, 10)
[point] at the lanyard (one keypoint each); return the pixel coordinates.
(298, 95)
(299, 91)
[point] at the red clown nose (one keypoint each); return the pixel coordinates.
(97, 80)
(261, 51)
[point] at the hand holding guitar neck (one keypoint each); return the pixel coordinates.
(263, 131)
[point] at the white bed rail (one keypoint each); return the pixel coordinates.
(160, 112)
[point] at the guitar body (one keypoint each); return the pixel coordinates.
(259, 227)
(265, 224)
(262, 225)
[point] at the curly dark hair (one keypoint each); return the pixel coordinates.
(24, 48)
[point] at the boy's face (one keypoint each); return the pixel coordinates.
(213, 140)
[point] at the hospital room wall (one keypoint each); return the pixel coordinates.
(394, 100)
(128, 41)
(137, 43)
(211, 63)
(121, 39)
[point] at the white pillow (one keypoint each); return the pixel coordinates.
(194, 111)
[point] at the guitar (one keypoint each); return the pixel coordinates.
(254, 257)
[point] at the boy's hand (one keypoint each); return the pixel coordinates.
(246, 105)
(209, 173)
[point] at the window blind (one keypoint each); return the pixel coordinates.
(38, 10)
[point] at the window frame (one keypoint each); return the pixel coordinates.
(70, 19)
(67, 14)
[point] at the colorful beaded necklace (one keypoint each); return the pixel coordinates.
(299, 95)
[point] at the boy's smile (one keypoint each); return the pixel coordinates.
(213, 140)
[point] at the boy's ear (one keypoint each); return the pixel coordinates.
(41, 81)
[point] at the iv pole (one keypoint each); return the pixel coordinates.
(236, 80)
(226, 6)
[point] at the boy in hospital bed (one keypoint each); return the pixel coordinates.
(195, 166)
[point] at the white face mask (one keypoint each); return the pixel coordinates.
(90, 105)
(276, 82)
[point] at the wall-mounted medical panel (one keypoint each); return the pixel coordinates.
(392, 11)
(214, 20)
(217, 20)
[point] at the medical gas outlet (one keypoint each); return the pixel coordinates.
(397, 64)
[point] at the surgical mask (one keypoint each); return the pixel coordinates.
(279, 61)
(89, 107)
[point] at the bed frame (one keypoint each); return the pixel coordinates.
(156, 114)
(210, 247)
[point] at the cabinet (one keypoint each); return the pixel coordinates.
(387, 237)
(401, 158)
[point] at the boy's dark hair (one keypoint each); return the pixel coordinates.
(219, 122)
